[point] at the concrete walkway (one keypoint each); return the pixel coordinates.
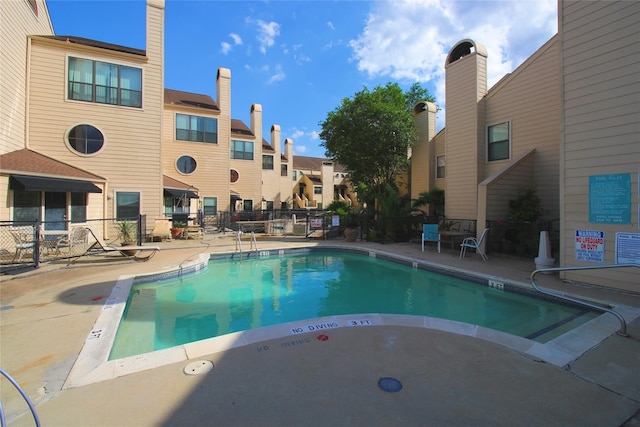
(312, 379)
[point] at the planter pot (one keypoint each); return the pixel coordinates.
(351, 234)
(176, 232)
(131, 252)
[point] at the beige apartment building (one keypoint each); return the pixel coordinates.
(90, 132)
(497, 141)
(92, 110)
(566, 123)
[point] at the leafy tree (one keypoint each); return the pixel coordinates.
(371, 133)
(433, 198)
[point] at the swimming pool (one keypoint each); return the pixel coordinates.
(234, 295)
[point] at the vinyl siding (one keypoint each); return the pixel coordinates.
(17, 21)
(423, 168)
(529, 99)
(211, 176)
(464, 88)
(131, 157)
(271, 190)
(601, 88)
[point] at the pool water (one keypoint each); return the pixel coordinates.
(234, 295)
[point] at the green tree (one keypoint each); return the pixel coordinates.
(433, 198)
(371, 133)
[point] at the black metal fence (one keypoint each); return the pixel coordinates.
(521, 239)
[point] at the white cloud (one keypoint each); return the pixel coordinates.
(297, 133)
(278, 76)
(300, 149)
(225, 48)
(237, 40)
(330, 25)
(409, 40)
(267, 33)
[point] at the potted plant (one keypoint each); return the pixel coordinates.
(127, 232)
(127, 235)
(177, 229)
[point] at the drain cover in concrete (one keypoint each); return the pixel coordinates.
(390, 385)
(198, 368)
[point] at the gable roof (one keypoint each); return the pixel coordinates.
(29, 162)
(95, 43)
(168, 182)
(314, 163)
(239, 128)
(177, 97)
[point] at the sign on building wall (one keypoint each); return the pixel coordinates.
(627, 248)
(610, 199)
(590, 245)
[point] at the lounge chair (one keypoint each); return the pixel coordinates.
(162, 229)
(130, 252)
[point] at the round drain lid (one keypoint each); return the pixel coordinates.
(390, 385)
(198, 368)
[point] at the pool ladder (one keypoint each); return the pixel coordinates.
(254, 243)
(623, 324)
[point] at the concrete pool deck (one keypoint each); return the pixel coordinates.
(328, 378)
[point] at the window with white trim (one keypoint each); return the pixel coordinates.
(210, 206)
(85, 139)
(104, 83)
(186, 164)
(498, 141)
(241, 150)
(196, 128)
(440, 164)
(127, 204)
(267, 162)
(78, 207)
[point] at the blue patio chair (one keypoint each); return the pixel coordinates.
(430, 234)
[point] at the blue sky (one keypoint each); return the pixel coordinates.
(299, 59)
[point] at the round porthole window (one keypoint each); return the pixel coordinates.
(234, 176)
(85, 139)
(186, 164)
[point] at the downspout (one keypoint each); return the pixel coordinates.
(27, 84)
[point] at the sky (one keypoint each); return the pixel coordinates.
(300, 59)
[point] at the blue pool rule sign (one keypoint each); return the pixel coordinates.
(610, 199)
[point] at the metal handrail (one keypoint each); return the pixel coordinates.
(254, 243)
(32, 408)
(623, 324)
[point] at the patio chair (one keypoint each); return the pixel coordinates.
(430, 234)
(162, 230)
(130, 252)
(474, 243)
(23, 238)
(77, 237)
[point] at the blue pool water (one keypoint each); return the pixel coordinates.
(235, 295)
